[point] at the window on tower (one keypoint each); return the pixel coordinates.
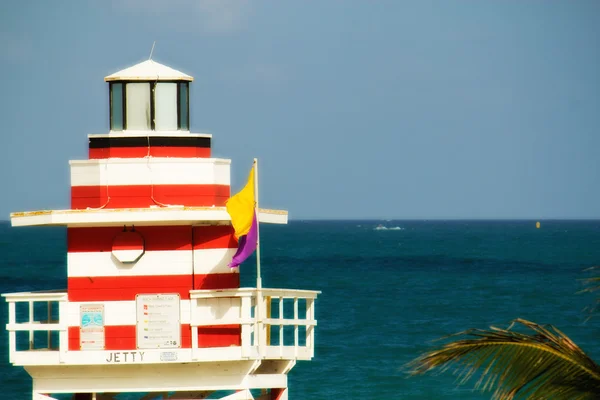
(159, 106)
(165, 103)
(116, 106)
(184, 106)
(137, 106)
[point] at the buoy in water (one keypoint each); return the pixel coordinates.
(537, 224)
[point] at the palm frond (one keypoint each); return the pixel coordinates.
(544, 364)
(591, 285)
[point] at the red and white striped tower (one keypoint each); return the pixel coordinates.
(151, 305)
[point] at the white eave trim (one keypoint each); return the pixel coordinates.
(131, 133)
(146, 78)
(174, 215)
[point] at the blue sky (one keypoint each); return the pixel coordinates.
(356, 109)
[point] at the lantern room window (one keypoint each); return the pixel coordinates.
(137, 106)
(116, 106)
(183, 104)
(159, 106)
(165, 102)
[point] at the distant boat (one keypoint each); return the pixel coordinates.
(381, 227)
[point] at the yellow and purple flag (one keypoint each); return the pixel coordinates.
(242, 210)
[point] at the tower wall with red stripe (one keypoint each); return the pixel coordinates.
(174, 259)
(149, 182)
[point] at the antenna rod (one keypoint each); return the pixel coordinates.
(152, 51)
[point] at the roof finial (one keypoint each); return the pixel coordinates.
(152, 51)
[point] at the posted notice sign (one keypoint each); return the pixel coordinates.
(91, 327)
(158, 324)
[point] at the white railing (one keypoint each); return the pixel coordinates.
(305, 326)
(253, 310)
(47, 298)
(274, 324)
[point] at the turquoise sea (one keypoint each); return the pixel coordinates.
(386, 294)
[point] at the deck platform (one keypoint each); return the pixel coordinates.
(277, 329)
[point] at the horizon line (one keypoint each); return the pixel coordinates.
(389, 219)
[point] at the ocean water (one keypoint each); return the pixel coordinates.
(386, 294)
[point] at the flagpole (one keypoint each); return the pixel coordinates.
(262, 336)
(258, 277)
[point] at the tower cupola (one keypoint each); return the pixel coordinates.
(149, 96)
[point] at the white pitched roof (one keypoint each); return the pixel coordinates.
(149, 71)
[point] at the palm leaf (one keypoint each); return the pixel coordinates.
(545, 364)
(592, 285)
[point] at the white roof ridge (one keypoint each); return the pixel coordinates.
(149, 70)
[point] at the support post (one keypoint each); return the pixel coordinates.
(296, 327)
(31, 338)
(194, 329)
(63, 335)
(49, 321)
(246, 327)
(310, 329)
(280, 326)
(12, 335)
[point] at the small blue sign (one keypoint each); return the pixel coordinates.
(98, 319)
(92, 318)
(86, 319)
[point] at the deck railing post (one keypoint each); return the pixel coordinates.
(310, 329)
(296, 327)
(63, 336)
(245, 315)
(269, 300)
(31, 338)
(255, 324)
(194, 342)
(262, 327)
(280, 326)
(194, 327)
(49, 322)
(12, 335)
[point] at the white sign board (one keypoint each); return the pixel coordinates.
(158, 325)
(91, 327)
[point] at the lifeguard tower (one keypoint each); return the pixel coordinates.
(151, 305)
